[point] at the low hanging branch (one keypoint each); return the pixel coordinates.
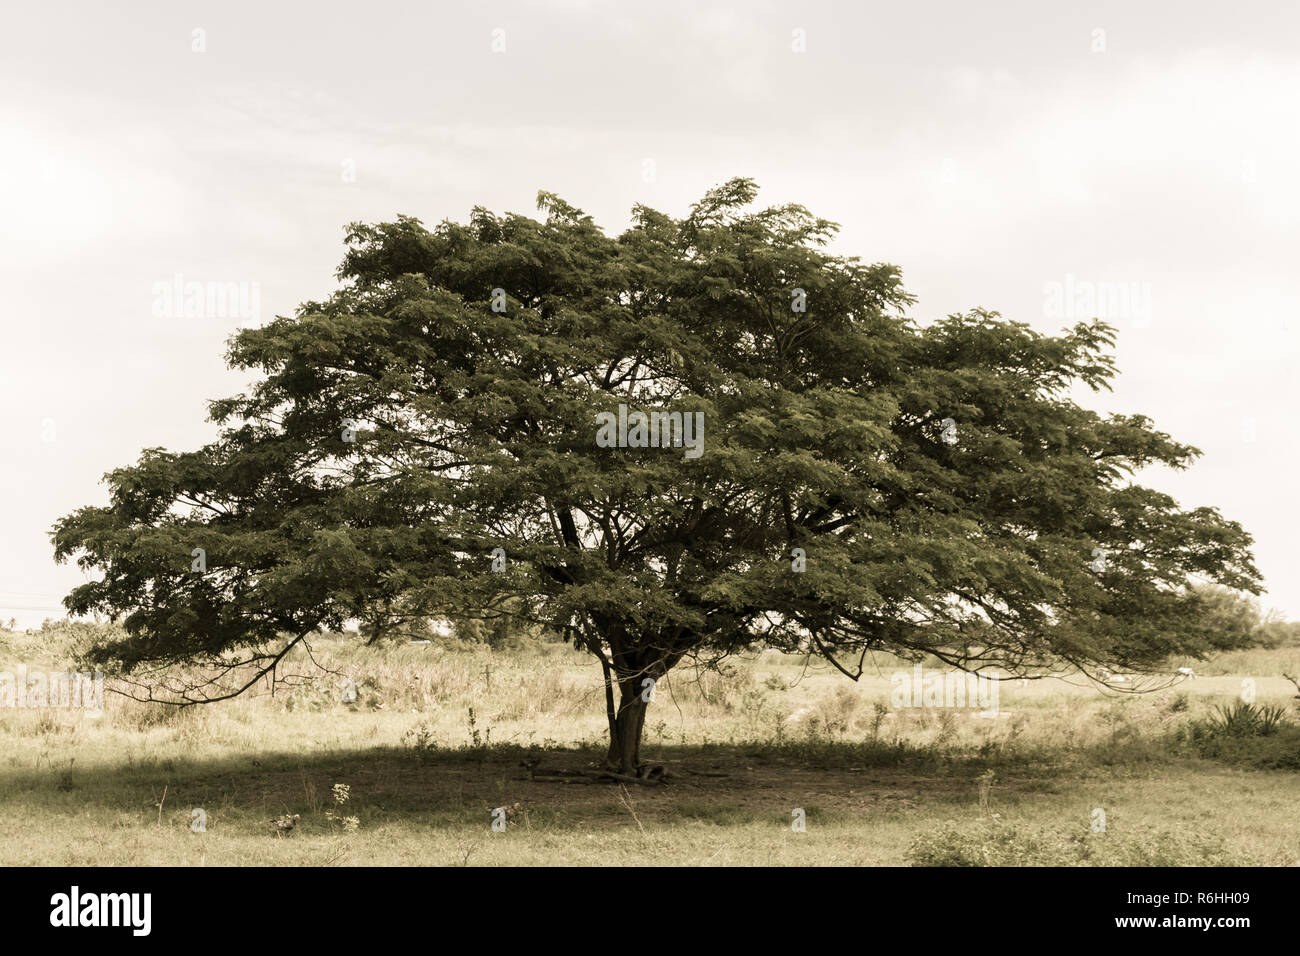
(183, 693)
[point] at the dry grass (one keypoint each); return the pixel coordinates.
(433, 742)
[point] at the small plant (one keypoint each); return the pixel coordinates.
(1180, 703)
(947, 728)
(1271, 717)
(986, 792)
(372, 692)
(466, 850)
(420, 739)
(776, 682)
(756, 711)
(879, 711)
(834, 715)
(478, 740)
(1247, 720)
(342, 793)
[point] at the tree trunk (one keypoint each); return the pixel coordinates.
(611, 712)
(632, 659)
(625, 734)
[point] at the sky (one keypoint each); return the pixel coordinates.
(1049, 162)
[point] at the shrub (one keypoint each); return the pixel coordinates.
(833, 715)
(1247, 720)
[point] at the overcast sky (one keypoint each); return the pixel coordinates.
(1015, 156)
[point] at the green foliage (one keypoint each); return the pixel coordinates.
(503, 630)
(1234, 621)
(1261, 736)
(58, 641)
(421, 740)
(342, 793)
(1274, 631)
(1247, 720)
(442, 404)
(834, 716)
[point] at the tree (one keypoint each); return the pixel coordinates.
(462, 429)
(1235, 622)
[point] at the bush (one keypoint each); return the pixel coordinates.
(56, 642)
(834, 715)
(1274, 633)
(1239, 623)
(1246, 720)
(1243, 734)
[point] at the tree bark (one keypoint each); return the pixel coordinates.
(632, 659)
(625, 737)
(610, 711)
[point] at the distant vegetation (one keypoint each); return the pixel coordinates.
(1238, 620)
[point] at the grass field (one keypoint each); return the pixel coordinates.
(433, 744)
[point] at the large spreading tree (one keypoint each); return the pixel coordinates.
(442, 437)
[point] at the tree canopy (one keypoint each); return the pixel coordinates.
(856, 481)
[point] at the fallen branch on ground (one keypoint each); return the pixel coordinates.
(650, 776)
